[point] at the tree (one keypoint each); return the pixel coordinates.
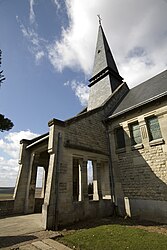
(5, 123)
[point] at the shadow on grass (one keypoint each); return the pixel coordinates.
(91, 223)
(7, 241)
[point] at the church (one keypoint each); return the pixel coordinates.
(121, 134)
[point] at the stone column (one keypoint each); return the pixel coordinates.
(43, 184)
(22, 179)
(99, 166)
(95, 185)
(30, 197)
(50, 206)
(105, 180)
(83, 180)
(80, 198)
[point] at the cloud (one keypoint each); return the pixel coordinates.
(39, 54)
(10, 146)
(32, 14)
(57, 3)
(128, 26)
(80, 89)
(135, 30)
(36, 43)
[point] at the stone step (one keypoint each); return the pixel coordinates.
(41, 245)
(55, 245)
(27, 247)
(44, 245)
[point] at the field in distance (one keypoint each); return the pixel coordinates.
(6, 193)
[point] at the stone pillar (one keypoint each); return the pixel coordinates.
(43, 184)
(30, 197)
(22, 179)
(99, 166)
(80, 198)
(95, 185)
(50, 206)
(105, 180)
(83, 180)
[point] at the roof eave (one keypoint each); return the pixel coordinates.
(137, 105)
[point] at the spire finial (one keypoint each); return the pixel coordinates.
(100, 19)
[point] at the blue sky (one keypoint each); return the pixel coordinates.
(48, 51)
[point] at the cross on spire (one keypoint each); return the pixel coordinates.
(100, 19)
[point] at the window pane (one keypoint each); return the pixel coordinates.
(135, 133)
(120, 138)
(153, 128)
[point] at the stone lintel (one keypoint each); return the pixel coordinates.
(56, 122)
(67, 144)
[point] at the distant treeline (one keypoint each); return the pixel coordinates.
(6, 190)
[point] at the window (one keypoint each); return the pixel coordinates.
(135, 133)
(153, 128)
(120, 140)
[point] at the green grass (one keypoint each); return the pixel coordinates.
(115, 237)
(6, 196)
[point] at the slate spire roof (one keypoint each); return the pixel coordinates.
(104, 63)
(105, 77)
(103, 55)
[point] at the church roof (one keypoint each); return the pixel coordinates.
(145, 92)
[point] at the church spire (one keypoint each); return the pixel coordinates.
(105, 78)
(103, 55)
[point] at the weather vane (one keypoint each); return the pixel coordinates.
(100, 19)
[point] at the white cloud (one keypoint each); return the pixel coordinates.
(10, 145)
(36, 43)
(127, 25)
(32, 14)
(80, 89)
(39, 55)
(57, 3)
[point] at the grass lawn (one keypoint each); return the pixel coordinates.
(115, 237)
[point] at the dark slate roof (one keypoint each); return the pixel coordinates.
(145, 92)
(103, 55)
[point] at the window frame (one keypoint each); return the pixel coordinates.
(118, 147)
(151, 135)
(132, 136)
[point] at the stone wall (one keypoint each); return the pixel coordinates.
(88, 132)
(6, 207)
(140, 172)
(87, 210)
(69, 210)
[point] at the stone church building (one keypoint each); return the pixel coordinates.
(123, 135)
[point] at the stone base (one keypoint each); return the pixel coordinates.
(150, 210)
(83, 210)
